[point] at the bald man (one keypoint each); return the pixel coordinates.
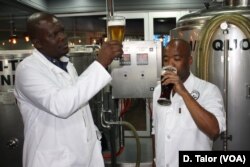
(196, 115)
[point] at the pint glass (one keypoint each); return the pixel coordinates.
(166, 89)
(116, 28)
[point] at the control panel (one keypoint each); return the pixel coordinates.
(135, 74)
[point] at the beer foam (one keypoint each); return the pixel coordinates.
(116, 22)
(169, 69)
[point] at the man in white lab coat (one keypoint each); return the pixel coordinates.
(195, 117)
(58, 126)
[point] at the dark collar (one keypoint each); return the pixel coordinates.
(58, 63)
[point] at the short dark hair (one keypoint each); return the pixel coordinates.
(33, 22)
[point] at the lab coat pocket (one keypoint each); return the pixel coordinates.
(52, 158)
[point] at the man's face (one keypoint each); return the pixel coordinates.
(51, 39)
(179, 57)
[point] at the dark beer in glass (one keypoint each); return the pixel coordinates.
(166, 89)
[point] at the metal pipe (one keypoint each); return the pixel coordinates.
(225, 28)
(112, 131)
(112, 137)
(121, 135)
(226, 47)
(236, 2)
(131, 127)
(110, 7)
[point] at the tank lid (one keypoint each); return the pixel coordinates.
(236, 2)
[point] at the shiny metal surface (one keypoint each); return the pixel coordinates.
(82, 58)
(136, 75)
(236, 2)
(238, 63)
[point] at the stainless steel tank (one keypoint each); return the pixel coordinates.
(219, 38)
(11, 125)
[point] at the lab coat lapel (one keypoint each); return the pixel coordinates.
(56, 70)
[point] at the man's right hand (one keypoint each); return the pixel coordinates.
(108, 52)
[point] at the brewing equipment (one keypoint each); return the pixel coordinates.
(219, 39)
(133, 76)
(136, 74)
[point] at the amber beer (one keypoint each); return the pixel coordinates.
(116, 28)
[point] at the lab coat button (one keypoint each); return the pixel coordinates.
(168, 136)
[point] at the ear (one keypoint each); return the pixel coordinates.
(36, 43)
(190, 61)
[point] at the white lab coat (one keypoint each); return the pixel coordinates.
(58, 126)
(174, 127)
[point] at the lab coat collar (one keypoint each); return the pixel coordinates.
(49, 64)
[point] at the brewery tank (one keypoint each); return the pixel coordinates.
(220, 42)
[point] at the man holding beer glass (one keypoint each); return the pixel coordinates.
(54, 100)
(196, 114)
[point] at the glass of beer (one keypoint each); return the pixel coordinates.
(116, 28)
(166, 89)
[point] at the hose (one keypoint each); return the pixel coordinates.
(108, 156)
(138, 144)
(107, 124)
(203, 51)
